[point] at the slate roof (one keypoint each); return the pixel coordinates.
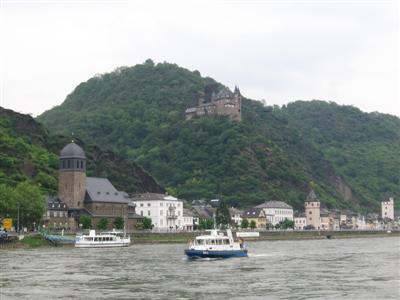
(187, 213)
(254, 212)
(56, 204)
(72, 150)
(203, 211)
(101, 190)
(312, 197)
(153, 197)
(223, 94)
(274, 204)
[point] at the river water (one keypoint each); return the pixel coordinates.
(363, 268)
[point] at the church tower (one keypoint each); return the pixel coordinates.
(72, 176)
(313, 210)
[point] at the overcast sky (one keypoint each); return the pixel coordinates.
(280, 51)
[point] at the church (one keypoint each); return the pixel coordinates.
(91, 196)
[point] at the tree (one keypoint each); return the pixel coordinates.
(146, 224)
(253, 224)
(245, 223)
(86, 221)
(286, 224)
(102, 225)
(206, 224)
(222, 215)
(118, 223)
(269, 226)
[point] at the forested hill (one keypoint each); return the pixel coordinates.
(274, 153)
(29, 154)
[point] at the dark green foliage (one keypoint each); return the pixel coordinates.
(206, 224)
(25, 198)
(86, 221)
(102, 225)
(28, 154)
(272, 154)
(253, 224)
(245, 224)
(146, 224)
(222, 215)
(119, 223)
(285, 224)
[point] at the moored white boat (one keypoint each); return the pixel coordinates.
(104, 239)
(216, 245)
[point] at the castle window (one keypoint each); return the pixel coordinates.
(81, 164)
(77, 164)
(63, 164)
(69, 163)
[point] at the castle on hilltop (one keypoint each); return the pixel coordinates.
(223, 103)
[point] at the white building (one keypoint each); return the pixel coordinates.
(388, 209)
(300, 222)
(165, 212)
(188, 220)
(276, 211)
(236, 216)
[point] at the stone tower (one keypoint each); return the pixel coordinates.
(313, 209)
(388, 208)
(72, 176)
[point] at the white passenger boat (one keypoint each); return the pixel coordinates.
(216, 245)
(104, 239)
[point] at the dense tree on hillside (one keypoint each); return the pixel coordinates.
(272, 153)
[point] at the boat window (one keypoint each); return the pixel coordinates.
(212, 242)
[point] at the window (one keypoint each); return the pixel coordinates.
(77, 164)
(69, 163)
(309, 212)
(161, 212)
(148, 204)
(141, 212)
(161, 222)
(161, 204)
(81, 164)
(141, 204)
(148, 213)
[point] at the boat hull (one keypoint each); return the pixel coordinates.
(215, 253)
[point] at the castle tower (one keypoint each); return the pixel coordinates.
(312, 208)
(388, 209)
(72, 176)
(238, 103)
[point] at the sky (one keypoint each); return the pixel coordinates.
(277, 51)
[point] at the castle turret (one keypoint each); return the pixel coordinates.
(72, 176)
(313, 208)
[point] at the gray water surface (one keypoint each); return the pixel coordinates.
(363, 268)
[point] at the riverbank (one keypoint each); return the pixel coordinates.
(38, 241)
(154, 238)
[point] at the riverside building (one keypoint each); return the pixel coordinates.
(276, 211)
(388, 209)
(165, 211)
(313, 210)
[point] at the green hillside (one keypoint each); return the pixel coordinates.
(139, 113)
(29, 154)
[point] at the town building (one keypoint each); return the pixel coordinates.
(165, 211)
(257, 215)
(91, 196)
(388, 209)
(276, 211)
(312, 209)
(236, 216)
(202, 211)
(300, 221)
(188, 222)
(56, 215)
(223, 103)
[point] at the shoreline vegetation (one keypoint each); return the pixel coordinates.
(38, 241)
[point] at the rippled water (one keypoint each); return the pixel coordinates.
(309, 269)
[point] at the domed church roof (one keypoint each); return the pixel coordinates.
(72, 150)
